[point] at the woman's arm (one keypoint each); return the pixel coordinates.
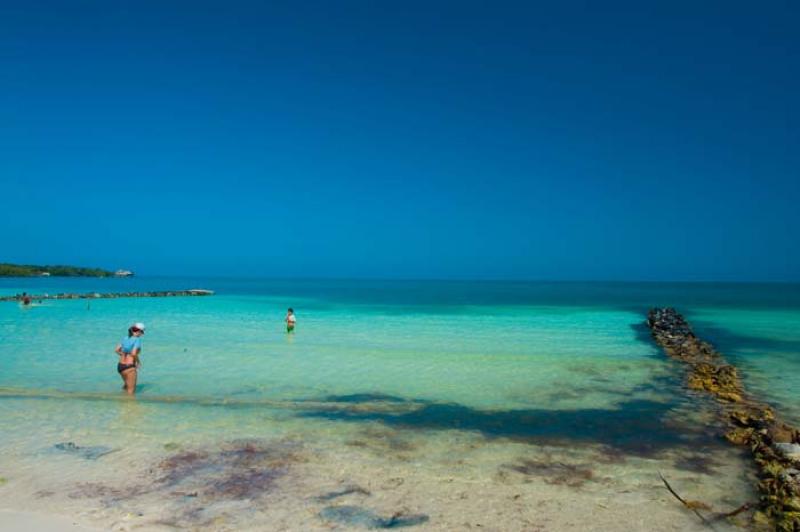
(118, 350)
(135, 355)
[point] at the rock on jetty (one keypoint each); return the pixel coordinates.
(775, 446)
(709, 371)
(114, 295)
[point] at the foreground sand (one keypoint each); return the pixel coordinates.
(437, 482)
(14, 521)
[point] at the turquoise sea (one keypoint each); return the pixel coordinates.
(442, 403)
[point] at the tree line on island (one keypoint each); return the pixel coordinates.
(28, 270)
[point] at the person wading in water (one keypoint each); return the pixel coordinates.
(290, 320)
(128, 350)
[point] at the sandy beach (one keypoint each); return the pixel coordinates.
(16, 521)
(379, 478)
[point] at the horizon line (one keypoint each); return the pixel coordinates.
(427, 279)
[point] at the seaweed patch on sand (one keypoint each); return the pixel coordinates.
(701, 462)
(384, 441)
(201, 486)
(559, 473)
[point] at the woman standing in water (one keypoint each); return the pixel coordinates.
(128, 350)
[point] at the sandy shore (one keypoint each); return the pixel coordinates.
(14, 521)
(384, 475)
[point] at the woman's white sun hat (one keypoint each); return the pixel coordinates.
(139, 325)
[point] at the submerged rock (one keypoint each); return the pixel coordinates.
(790, 451)
(365, 518)
(739, 435)
(89, 453)
(341, 493)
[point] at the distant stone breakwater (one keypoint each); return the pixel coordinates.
(774, 445)
(111, 295)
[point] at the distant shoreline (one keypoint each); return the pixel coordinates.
(30, 270)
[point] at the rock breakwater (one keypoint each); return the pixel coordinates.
(774, 445)
(112, 295)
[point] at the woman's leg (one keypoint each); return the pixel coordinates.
(129, 376)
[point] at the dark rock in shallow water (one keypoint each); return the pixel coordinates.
(790, 451)
(90, 453)
(341, 493)
(363, 517)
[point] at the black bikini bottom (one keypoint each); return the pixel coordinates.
(125, 367)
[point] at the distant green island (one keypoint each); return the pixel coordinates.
(28, 270)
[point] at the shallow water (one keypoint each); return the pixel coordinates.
(489, 385)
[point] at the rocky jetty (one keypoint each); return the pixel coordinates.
(775, 446)
(113, 295)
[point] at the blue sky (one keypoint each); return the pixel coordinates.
(561, 140)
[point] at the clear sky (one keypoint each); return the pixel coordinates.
(552, 140)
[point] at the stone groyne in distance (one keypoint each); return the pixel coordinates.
(774, 445)
(112, 295)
